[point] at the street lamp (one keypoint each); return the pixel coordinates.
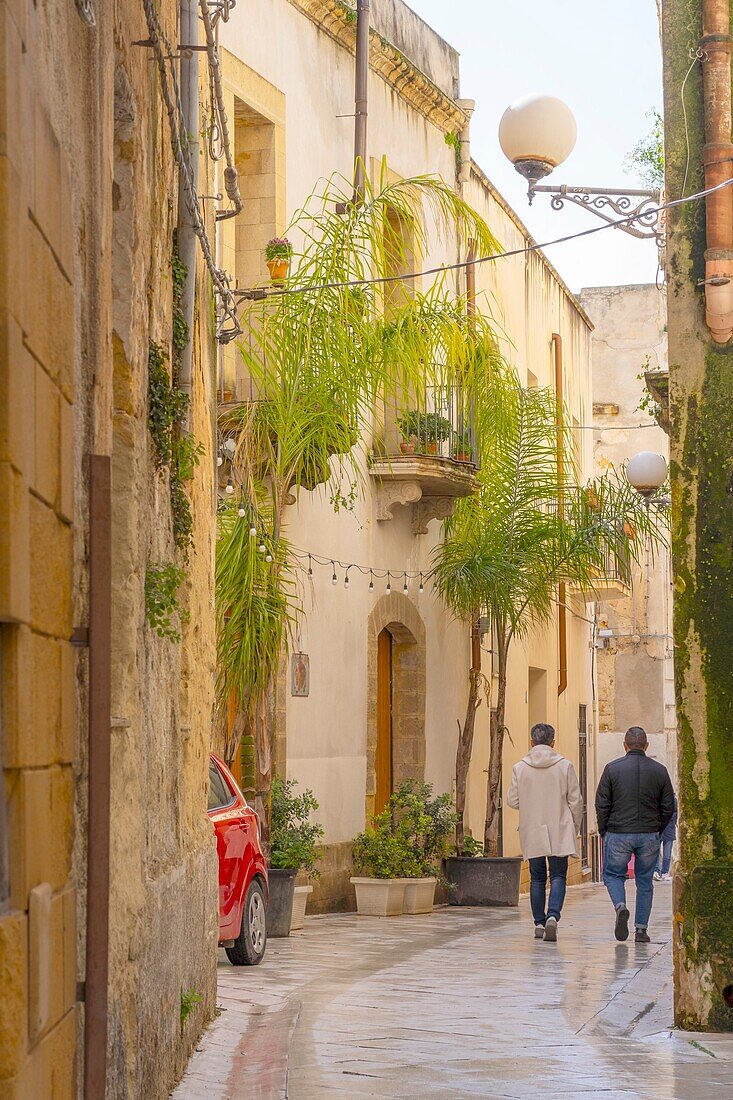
(646, 472)
(538, 133)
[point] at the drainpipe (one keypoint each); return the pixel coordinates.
(185, 235)
(562, 621)
(717, 157)
(99, 640)
(361, 91)
(464, 170)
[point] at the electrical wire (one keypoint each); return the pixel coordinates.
(266, 292)
(698, 55)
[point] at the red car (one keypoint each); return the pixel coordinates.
(243, 890)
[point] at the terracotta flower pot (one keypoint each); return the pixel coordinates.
(432, 447)
(278, 269)
(407, 448)
(463, 456)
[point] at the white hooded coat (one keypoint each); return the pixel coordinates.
(546, 792)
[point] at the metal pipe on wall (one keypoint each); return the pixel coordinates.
(715, 45)
(562, 619)
(98, 809)
(361, 95)
(185, 234)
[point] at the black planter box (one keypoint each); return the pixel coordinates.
(281, 881)
(483, 880)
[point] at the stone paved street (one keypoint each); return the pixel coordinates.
(460, 1003)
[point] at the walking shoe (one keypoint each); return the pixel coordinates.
(642, 936)
(551, 930)
(539, 931)
(657, 876)
(621, 931)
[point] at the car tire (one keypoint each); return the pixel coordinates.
(249, 947)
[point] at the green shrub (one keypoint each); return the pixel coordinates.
(409, 838)
(293, 836)
(162, 607)
(427, 427)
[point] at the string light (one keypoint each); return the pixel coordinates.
(371, 580)
(253, 531)
(310, 566)
(334, 578)
(346, 579)
(230, 485)
(268, 557)
(421, 588)
(389, 582)
(262, 548)
(405, 588)
(219, 458)
(242, 511)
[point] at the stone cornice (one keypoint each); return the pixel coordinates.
(396, 69)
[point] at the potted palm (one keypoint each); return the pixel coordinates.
(293, 847)
(509, 551)
(278, 254)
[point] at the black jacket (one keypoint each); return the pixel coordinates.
(634, 796)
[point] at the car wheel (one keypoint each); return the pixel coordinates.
(249, 947)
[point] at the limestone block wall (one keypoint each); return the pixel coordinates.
(88, 195)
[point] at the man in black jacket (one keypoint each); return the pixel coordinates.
(634, 803)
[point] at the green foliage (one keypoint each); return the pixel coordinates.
(427, 427)
(647, 402)
(472, 847)
(162, 607)
(293, 836)
(453, 138)
(181, 335)
(187, 454)
(278, 248)
(647, 156)
(410, 837)
(166, 406)
(189, 999)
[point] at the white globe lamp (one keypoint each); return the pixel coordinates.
(536, 134)
(646, 472)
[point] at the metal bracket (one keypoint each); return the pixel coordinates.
(639, 205)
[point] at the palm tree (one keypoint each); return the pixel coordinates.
(320, 356)
(508, 550)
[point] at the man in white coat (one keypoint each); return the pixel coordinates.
(546, 792)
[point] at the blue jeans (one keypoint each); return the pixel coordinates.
(538, 886)
(618, 850)
(665, 857)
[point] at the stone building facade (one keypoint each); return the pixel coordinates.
(288, 134)
(89, 196)
(634, 652)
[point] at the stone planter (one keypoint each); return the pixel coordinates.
(300, 901)
(281, 881)
(379, 897)
(419, 895)
(484, 880)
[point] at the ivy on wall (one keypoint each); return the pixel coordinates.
(162, 607)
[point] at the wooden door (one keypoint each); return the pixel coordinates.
(383, 756)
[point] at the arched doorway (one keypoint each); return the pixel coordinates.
(396, 715)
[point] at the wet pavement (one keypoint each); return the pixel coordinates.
(460, 1003)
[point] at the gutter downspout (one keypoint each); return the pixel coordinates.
(562, 620)
(361, 94)
(185, 235)
(718, 161)
(464, 172)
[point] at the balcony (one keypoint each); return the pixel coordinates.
(611, 583)
(424, 456)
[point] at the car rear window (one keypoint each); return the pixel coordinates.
(219, 793)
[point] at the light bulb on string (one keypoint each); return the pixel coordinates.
(346, 579)
(371, 581)
(310, 566)
(334, 578)
(389, 582)
(242, 511)
(219, 458)
(268, 557)
(405, 588)
(253, 531)
(262, 548)
(421, 588)
(229, 486)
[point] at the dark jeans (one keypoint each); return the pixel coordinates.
(665, 857)
(538, 886)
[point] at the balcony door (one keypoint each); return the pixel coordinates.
(383, 757)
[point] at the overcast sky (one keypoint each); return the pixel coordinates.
(604, 60)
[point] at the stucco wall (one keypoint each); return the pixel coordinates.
(326, 732)
(635, 666)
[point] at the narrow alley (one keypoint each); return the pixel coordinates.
(460, 1003)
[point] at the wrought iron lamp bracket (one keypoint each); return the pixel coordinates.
(640, 206)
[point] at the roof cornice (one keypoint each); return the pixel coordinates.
(336, 19)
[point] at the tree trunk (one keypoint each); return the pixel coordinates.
(497, 730)
(262, 719)
(463, 753)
